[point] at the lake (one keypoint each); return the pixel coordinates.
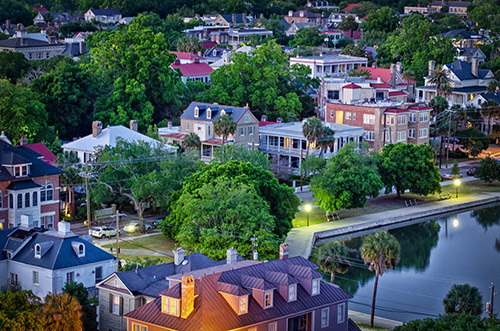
(451, 249)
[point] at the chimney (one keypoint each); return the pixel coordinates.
(290, 13)
(374, 64)
(234, 18)
(244, 16)
(187, 296)
(133, 125)
(23, 140)
(263, 118)
(169, 124)
(432, 67)
(7, 24)
(393, 75)
(474, 67)
(399, 67)
(27, 221)
(283, 251)
(64, 227)
(81, 47)
(279, 120)
(96, 128)
(379, 80)
(178, 256)
(232, 256)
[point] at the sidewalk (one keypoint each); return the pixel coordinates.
(378, 322)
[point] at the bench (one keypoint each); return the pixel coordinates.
(332, 216)
(444, 196)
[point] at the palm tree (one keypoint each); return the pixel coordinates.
(312, 130)
(463, 299)
(69, 162)
(331, 259)
(192, 141)
(224, 126)
(490, 110)
(381, 250)
(61, 312)
(327, 139)
(441, 80)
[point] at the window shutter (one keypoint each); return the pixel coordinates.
(111, 303)
(121, 306)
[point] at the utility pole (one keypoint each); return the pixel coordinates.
(448, 140)
(117, 236)
(87, 198)
(441, 153)
(489, 305)
(255, 254)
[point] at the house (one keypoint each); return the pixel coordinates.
(285, 294)
(186, 57)
(454, 7)
(86, 147)
(226, 56)
(43, 261)
(287, 147)
(32, 48)
(305, 16)
(467, 80)
(335, 18)
(237, 36)
(464, 38)
(121, 293)
(105, 16)
(467, 54)
(323, 5)
(214, 54)
(330, 65)
(421, 10)
(40, 148)
(393, 77)
(294, 27)
(200, 117)
(196, 71)
(126, 20)
(204, 32)
(7, 28)
(478, 101)
(333, 35)
(232, 19)
(29, 187)
(383, 122)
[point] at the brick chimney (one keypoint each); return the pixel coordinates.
(432, 67)
(7, 24)
(232, 256)
(283, 251)
(234, 18)
(133, 125)
(23, 141)
(263, 118)
(187, 296)
(178, 255)
(81, 47)
(374, 64)
(474, 67)
(96, 128)
(393, 75)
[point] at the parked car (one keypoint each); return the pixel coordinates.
(157, 223)
(449, 177)
(134, 227)
(471, 171)
(103, 231)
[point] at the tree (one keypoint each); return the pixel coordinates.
(384, 19)
(353, 50)
(241, 153)
(312, 130)
(463, 299)
(224, 126)
(61, 312)
(488, 170)
(16, 12)
(438, 104)
(381, 250)
(19, 311)
(441, 80)
(312, 165)
(192, 141)
(490, 110)
(455, 170)
(450, 323)
(332, 259)
(348, 23)
(70, 163)
(281, 199)
(473, 140)
(14, 65)
(80, 293)
(20, 112)
(346, 182)
(309, 36)
(190, 45)
(408, 167)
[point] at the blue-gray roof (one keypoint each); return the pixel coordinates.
(4, 234)
(463, 70)
(60, 254)
(238, 18)
(236, 112)
(492, 96)
(106, 12)
(461, 33)
(22, 185)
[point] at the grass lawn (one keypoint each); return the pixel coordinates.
(157, 242)
(142, 258)
(363, 327)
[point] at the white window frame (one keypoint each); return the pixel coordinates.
(421, 131)
(165, 305)
(401, 136)
(401, 119)
(423, 117)
(70, 277)
(341, 313)
(243, 304)
(268, 294)
(116, 305)
(389, 120)
(315, 286)
(368, 119)
(411, 133)
(331, 113)
(292, 292)
(347, 115)
(36, 278)
(412, 117)
(272, 326)
(325, 317)
(369, 135)
(174, 307)
(38, 251)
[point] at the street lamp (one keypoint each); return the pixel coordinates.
(457, 183)
(455, 223)
(307, 208)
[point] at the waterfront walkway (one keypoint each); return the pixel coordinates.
(378, 322)
(301, 240)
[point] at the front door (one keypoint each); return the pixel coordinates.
(299, 323)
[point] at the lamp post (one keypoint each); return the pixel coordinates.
(307, 208)
(457, 183)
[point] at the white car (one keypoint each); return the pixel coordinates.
(133, 227)
(103, 231)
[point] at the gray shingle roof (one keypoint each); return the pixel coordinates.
(22, 185)
(106, 12)
(463, 70)
(492, 96)
(238, 18)
(461, 33)
(236, 112)
(4, 234)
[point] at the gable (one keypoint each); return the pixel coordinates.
(113, 283)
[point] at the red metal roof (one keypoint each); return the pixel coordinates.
(41, 149)
(396, 93)
(187, 56)
(209, 44)
(384, 74)
(419, 108)
(396, 110)
(380, 85)
(194, 69)
(174, 135)
(356, 34)
(351, 6)
(351, 86)
(213, 141)
(264, 123)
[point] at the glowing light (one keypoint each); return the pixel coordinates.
(307, 207)
(455, 223)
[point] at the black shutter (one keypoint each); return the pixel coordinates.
(111, 303)
(121, 306)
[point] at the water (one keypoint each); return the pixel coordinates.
(435, 254)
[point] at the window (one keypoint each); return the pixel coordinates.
(98, 273)
(379, 95)
(174, 307)
(26, 200)
(165, 305)
(250, 130)
(389, 120)
(331, 113)
(401, 119)
(401, 135)
(208, 128)
(354, 116)
(50, 222)
(17, 171)
(81, 250)
(423, 117)
(369, 135)
(387, 136)
(347, 115)
(38, 251)
(341, 313)
(292, 292)
(209, 113)
(242, 131)
(47, 191)
(315, 286)
(11, 201)
(368, 119)
(422, 133)
(325, 317)
(411, 133)
(36, 278)
(196, 112)
(187, 126)
(19, 201)
(70, 277)
(243, 305)
(14, 278)
(35, 199)
(138, 327)
(268, 299)
(335, 95)
(273, 326)
(412, 117)
(116, 301)
(24, 170)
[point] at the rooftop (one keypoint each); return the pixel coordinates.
(193, 69)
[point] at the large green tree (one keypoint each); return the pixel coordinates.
(408, 167)
(312, 129)
(241, 153)
(488, 170)
(61, 312)
(16, 12)
(473, 140)
(14, 65)
(332, 258)
(463, 299)
(224, 126)
(70, 163)
(309, 36)
(282, 201)
(19, 311)
(346, 181)
(381, 251)
(384, 19)
(80, 293)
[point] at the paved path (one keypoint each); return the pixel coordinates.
(379, 322)
(301, 240)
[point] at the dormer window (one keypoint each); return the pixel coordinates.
(21, 171)
(292, 292)
(196, 111)
(170, 306)
(209, 113)
(38, 251)
(268, 299)
(81, 250)
(315, 286)
(243, 305)
(222, 112)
